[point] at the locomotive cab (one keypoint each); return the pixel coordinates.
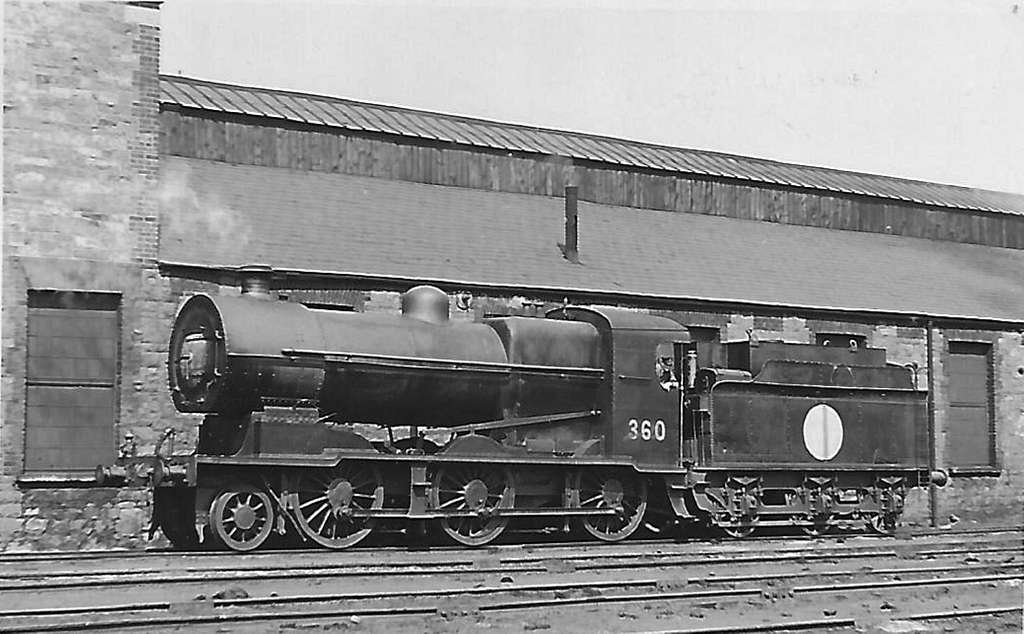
(641, 416)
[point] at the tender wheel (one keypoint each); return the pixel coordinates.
(242, 519)
(738, 531)
(817, 528)
(622, 490)
(325, 501)
(477, 489)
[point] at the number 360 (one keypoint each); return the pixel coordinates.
(644, 430)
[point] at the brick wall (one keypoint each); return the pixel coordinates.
(81, 126)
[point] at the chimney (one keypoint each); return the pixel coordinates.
(255, 280)
(570, 248)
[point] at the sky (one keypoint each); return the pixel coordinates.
(931, 90)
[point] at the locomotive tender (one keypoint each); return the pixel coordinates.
(597, 416)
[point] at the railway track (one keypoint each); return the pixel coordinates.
(23, 562)
(495, 599)
(422, 565)
(834, 624)
(541, 541)
(1010, 571)
(636, 586)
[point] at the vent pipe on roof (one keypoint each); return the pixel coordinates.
(570, 248)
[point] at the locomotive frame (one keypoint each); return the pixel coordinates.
(604, 418)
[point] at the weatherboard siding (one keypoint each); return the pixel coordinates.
(323, 150)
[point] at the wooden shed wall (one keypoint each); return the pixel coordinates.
(254, 142)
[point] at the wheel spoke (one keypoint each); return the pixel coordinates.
(450, 502)
(320, 510)
(362, 483)
(322, 498)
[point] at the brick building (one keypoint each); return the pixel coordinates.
(83, 301)
(124, 191)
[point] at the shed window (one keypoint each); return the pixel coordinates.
(971, 427)
(71, 380)
(839, 340)
(704, 334)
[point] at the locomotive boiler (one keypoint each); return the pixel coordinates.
(597, 417)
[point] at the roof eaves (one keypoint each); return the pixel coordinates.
(414, 125)
(200, 98)
(243, 103)
(353, 117)
(531, 141)
(329, 115)
(270, 107)
(174, 93)
(519, 140)
(492, 137)
(310, 115)
(287, 104)
(618, 293)
(444, 130)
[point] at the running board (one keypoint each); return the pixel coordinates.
(431, 514)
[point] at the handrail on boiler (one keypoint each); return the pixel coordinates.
(427, 363)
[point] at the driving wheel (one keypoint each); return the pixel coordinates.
(622, 490)
(477, 492)
(327, 504)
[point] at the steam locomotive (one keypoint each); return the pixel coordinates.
(604, 418)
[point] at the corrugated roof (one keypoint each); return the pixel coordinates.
(219, 214)
(352, 115)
